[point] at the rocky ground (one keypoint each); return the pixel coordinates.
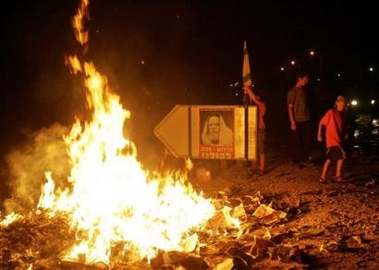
(338, 221)
(313, 226)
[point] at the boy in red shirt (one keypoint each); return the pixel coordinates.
(333, 123)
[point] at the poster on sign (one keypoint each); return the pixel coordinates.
(216, 133)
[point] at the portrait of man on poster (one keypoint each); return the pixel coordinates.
(215, 130)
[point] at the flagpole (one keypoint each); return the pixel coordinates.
(246, 73)
(246, 80)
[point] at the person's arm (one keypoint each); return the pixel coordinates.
(322, 124)
(252, 96)
(291, 116)
(291, 113)
(319, 132)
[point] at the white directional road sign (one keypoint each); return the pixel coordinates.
(210, 131)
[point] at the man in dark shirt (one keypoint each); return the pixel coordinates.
(298, 113)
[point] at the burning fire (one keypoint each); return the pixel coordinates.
(111, 200)
(121, 213)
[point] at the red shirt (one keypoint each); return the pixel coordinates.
(333, 127)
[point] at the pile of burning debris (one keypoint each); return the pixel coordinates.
(36, 241)
(262, 239)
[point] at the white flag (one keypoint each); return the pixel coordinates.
(246, 75)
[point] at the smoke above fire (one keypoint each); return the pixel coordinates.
(26, 165)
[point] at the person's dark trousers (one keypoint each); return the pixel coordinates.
(301, 142)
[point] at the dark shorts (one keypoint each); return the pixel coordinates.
(261, 141)
(335, 153)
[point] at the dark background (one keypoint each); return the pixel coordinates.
(157, 54)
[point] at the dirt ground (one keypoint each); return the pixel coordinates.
(338, 221)
(326, 225)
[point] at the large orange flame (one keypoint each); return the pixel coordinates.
(111, 199)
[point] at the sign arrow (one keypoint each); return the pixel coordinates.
(173, 131)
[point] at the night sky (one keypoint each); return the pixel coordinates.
(160, 53)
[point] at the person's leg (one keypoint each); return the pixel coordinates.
(296, 149)
(262, 149)
(339, 168)
(325, 169)
(340, 157)
(262, 163)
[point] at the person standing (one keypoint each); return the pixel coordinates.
(333, 125)
(255, 97)
(299, 116)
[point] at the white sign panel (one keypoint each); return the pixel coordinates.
(210, 132)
